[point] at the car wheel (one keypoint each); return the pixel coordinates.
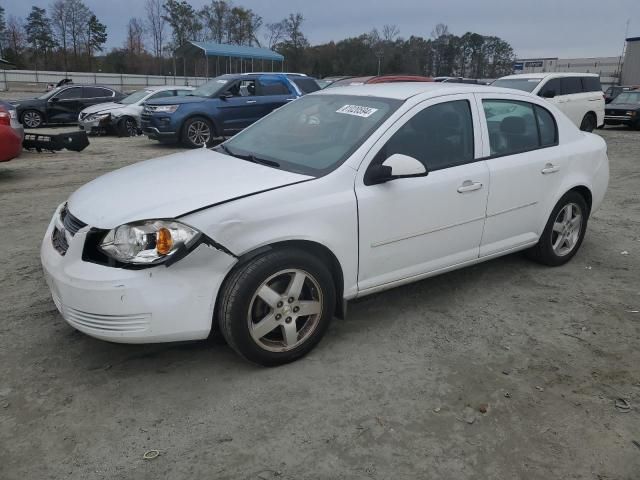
(197, 132)
(275, 308)
(127, 127)
(589, 123)
(564, 232)
(32, 119)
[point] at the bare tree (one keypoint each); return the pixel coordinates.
(135, 37)
(276, 33)
(390, 32)
(60, 21)
(16, 38)
(79, 16)
(216, 16)
(155, 25)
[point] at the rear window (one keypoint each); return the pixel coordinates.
(306, 85)
(591, 84)
(525, 84)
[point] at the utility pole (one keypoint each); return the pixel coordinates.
(380, 55)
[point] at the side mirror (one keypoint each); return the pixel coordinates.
(396, 166)
(54, 100)
(226, 95)
(549, 94)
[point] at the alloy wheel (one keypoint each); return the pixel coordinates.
(32, 119)
(199, 133)
(131, 128)
(566, 229)
(285, 310)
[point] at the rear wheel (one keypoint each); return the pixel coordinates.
(32, 119)
(589, 123)
(276, 308)
(197, 132)
(564, 232)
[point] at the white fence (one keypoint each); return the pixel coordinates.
(38, 80)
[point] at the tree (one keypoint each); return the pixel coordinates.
(16, 40)
(276, 33)
(60, 21)
(96, 37)
(242, 26)
(390, 32)
(3, 31)
(39, 33)
(155, 25)
(295, 42)
(79, 16)
(135, 37)
(183, 20)
(216, 19)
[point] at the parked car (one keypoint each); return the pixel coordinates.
(123, 116)
(615, 90)
(340, 194)
(356, 81)
(63, 104)
(624, 110)
(11, 133)
(221, 107)
(578, 95)
(456, 80)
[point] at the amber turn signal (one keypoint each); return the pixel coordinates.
(164, 241)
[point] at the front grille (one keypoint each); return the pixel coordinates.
(106, 323)
(67, 224)
(71, 223)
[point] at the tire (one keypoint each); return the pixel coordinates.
(551, 249)
(197, 132)
(589, 123)
(287, 335)
(127, 127)
(31, 119)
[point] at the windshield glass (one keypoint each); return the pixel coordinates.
(212, 87)
(526, 84)
(628, 97)
(50, 93)
(135, 97)
(314, 134)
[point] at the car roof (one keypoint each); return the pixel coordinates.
(549, 75)
(405, 90)
(159, 88)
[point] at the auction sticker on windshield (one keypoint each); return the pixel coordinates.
(357, 110)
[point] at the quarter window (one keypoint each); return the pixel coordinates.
(571, 85)
(440, 136)
(591, 84)
(516, 126)
(272, 86)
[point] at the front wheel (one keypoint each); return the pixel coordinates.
(276, 308)
(197, 132)
(564, 231)
(127, 127)
(32, 119)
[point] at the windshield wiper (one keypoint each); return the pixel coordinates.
(250, 158)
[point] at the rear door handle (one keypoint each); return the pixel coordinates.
(252, 101)
(550, 168)
(469, 186)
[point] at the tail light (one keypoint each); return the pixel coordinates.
(5, 117)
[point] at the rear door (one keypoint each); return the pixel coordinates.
(576, 101)
(274, 91)
(64, 106)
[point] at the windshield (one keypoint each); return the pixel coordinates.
(50, 93)
(526, 84)
(212, 87)
(314, 134)
(135, 97)
(628, 97)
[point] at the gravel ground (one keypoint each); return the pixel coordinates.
(393, 391)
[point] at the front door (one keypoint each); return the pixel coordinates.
(414, 226)
(241, 107)
(64, 107)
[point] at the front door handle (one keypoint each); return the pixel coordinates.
(290, 99)
(252, 101)
(550, 168)
(469, 186)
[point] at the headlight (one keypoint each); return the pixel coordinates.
(99, 116)
(165, 108)
(148, 242)
(631, 113)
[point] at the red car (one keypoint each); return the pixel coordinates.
(11, 133)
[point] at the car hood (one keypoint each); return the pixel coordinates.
(623, 106)
(103, 107)
(28, 102)
(177, 100)
(172, 186)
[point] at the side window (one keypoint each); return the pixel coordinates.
(273, 86)
(552, 86)
(97, 92)
(162, 94)
(69, 93)
(440, 136)
(571, 85)
(591, 84)
(546, 126)
(516, 126)
(182, 93)
(243, 88)
(512, 126)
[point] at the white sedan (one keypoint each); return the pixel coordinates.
(340, 194)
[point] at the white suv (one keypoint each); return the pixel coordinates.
(578, 95)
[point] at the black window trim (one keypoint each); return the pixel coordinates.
(539, 147)
(113, 92)
(57, 95)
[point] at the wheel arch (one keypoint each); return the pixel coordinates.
(585, 192)
(316, 249)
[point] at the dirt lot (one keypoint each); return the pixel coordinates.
(393, 391)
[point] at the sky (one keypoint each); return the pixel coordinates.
(540, 28)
